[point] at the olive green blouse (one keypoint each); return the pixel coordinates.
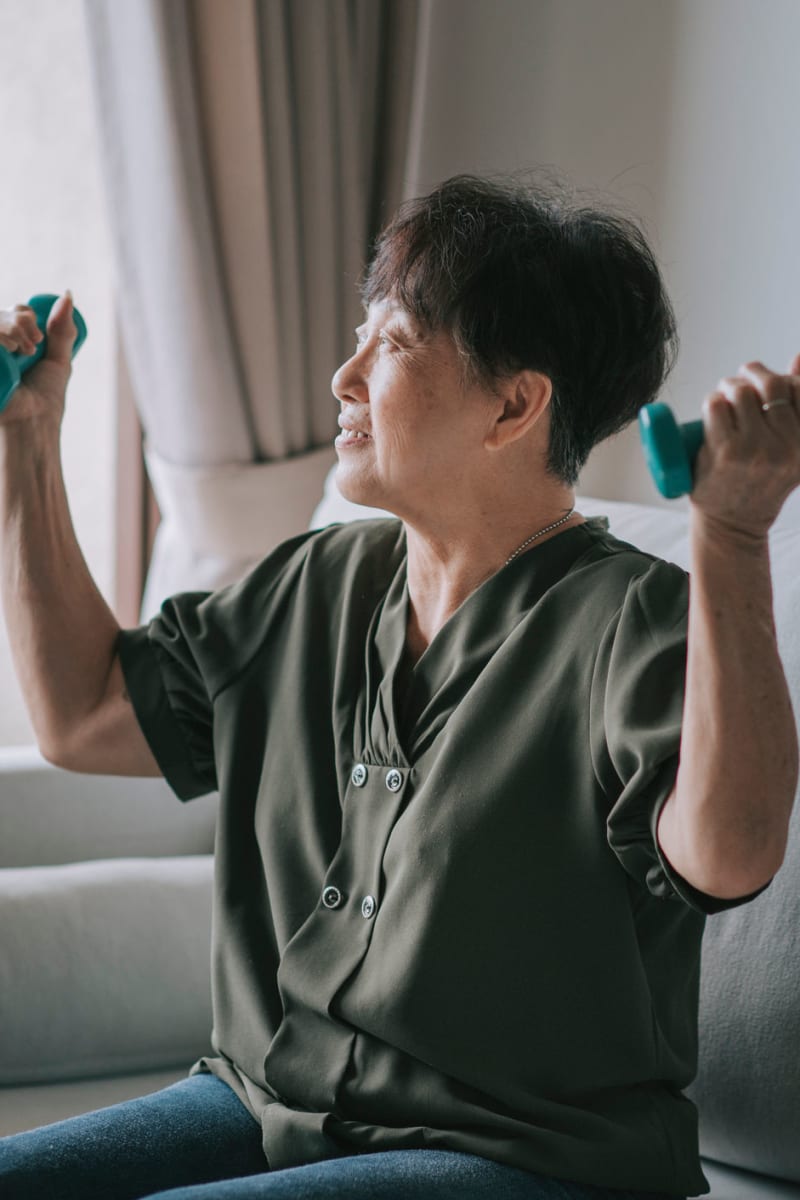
(441, 918)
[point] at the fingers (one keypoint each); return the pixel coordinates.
(755, 403)
(31, 332)
(20, 333)
(61, 312)
(771, 385)
(733, 410)
(719, 417)
(746, 402)
(779, 397)
(750, 461)
(61, 330)
(755, 412)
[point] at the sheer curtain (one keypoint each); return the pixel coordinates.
(251, 151)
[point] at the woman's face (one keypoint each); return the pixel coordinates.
(404, 389)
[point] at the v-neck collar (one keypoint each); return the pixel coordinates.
(407, 706)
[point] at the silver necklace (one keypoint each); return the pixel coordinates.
(534, 536)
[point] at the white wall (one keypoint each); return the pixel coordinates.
(53, 235)
(687, 112)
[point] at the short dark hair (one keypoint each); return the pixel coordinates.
(524, 276)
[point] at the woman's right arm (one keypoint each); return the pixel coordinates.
(61, 631)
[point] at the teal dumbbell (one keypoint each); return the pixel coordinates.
(14, 366)
(669, 448)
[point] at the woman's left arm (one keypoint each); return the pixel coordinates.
(725, 824)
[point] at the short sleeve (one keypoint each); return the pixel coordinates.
(170, 694)
(636, 712)
(176, 665)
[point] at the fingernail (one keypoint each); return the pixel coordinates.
(69, 294)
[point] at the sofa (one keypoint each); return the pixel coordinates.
(105, 909)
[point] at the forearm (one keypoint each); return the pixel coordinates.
(61, 631)
(726, 824)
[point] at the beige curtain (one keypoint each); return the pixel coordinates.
(250, 150)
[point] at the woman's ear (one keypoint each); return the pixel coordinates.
(523, 399)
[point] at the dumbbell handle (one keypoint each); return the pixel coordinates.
(14, 365)
(669, 448)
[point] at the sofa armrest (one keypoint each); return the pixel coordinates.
(726, 1183)
(49, 815)
(104, 967)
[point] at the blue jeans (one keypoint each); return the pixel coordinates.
(197, 1141)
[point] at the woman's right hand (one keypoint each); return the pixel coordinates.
(43, 389)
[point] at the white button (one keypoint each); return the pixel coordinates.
(368, 906)
(359, 775)
(331, 897)
(394, 780)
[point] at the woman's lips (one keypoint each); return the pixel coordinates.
(346, 438)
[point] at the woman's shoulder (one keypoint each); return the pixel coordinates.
(619, 573)
(362, 553)
(604, 548)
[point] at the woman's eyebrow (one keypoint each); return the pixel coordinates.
(391, 319)
(408, 320)
(408, 325)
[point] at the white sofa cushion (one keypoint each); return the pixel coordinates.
(727, 1183)
(104, 967)
(48, 815)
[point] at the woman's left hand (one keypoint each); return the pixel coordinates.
(750, 459)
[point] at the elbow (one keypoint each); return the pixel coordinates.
(51, 753)
(723, 860)
(727, 874)
(732, 885)
(59, 752)
(744, 860)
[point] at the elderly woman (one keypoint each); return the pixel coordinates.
(483, 768)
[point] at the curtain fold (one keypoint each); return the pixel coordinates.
(136, 515)
(219, 521)
(251, 151)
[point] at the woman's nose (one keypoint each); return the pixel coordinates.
(348, 378)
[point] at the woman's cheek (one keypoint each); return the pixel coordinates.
(399, 447)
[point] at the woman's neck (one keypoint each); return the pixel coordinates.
(444, 569)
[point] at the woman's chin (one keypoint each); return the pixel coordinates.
(353, 486)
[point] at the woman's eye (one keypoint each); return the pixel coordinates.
(382, 338)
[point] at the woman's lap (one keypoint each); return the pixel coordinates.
(197, 1141)
(398, 1175)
